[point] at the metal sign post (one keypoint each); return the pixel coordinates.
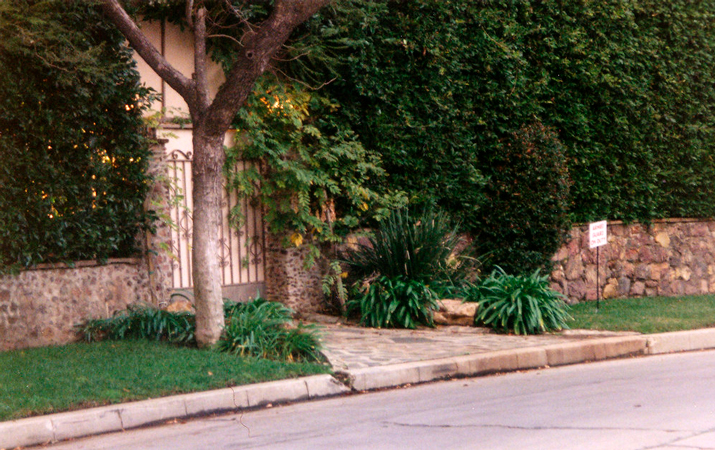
(598, 236)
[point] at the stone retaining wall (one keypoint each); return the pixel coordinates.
(668, 258)
(40, 307)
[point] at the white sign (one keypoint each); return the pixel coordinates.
(598, 234)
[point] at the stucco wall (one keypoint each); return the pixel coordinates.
(667, 258)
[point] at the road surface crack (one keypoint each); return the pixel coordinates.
(533, 428)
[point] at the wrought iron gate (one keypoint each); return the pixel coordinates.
(241, 252)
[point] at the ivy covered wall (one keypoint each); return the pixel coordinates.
(439, 89)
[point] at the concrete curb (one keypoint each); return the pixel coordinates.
(105, 419)
(681, 341)
(500, 361)
(76, 424)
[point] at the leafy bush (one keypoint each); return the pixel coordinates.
(258, 328)
(309, 173)
(438, 87)
(261, 329)
(418, 248)
(519, 304)
(73, 175)
(394, 302)
(142, 321)
(526, 219)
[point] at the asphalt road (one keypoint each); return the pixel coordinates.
(659, 402)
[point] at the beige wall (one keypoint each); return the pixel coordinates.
(177, 48)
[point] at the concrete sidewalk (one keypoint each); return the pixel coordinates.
(365, 359)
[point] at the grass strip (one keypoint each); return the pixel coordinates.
(646, 314)
(53, 379)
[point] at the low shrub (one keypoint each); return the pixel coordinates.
(258, 328)
(142, 321)
(394, 302)
(518, 304)
(262, 329)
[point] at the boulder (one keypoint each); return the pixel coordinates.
(180, 306)
(455, 312)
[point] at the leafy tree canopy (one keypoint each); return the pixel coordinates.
(72, 181)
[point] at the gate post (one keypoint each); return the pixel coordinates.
(288, 280)
(158, 244)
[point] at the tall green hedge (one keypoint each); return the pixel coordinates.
(628, 86)
(72, 155)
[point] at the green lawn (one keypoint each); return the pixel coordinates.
(646, 315)
(53, 379)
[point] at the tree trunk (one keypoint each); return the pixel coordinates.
(211, 121)
(207, 177)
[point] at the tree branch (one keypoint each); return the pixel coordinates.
(200, 62)
(119, 17)
(259, 47)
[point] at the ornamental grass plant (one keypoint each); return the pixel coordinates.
(258, 328)
(518, 304)
(398, 271)
(417, 247)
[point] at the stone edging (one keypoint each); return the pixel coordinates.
(87, 263)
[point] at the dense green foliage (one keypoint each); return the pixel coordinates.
(141, 321)
(414, 246)
(309, 173)
(401, 266)
(438, 87)
(525, 218)
(520, 304)
(397, 302)
(258, 328)
(72, 177)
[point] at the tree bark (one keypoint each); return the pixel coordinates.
(207, 176)
(211, 120)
